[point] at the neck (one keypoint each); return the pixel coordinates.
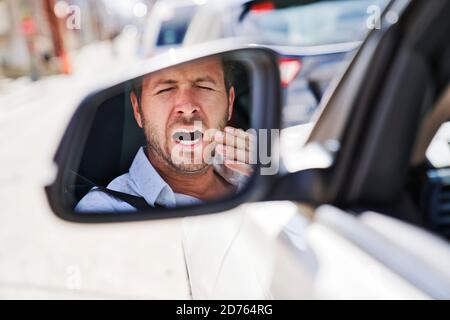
(204, 185)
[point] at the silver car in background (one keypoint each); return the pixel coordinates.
(166, 26)
(314, 39)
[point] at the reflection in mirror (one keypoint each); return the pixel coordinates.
(176, 137)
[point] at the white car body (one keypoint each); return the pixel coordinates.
(241, 254)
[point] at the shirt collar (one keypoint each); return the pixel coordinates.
(149, 183)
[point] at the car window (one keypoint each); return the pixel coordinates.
(433, 139)
(173, 30)
(438, 153)
(321, 23)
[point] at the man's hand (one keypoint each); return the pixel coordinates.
(236, 147)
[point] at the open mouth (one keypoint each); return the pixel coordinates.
(187, 138)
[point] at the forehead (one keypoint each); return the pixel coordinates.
(192, 70)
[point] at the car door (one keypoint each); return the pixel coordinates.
(374, 156)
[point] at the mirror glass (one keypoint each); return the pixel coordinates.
(179, 136)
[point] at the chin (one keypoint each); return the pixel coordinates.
(191, 168)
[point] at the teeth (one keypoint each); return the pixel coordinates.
(187, 137)
(189, 142)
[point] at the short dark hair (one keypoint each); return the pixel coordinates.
(228, 75)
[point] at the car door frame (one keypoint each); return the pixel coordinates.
(355, 116)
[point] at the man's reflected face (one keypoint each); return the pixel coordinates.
(173, 100)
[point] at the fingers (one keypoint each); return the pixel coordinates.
(235, 146)
(238, 133)
(231, 153)
(235, 138)
(242, 137)
(240, 167)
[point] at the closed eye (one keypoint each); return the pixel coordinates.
(164, 90)
(205, 88)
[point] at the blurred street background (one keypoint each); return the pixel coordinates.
(40, 38)
(52, 54)
(49, 61)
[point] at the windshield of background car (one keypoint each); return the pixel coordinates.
(173, 30)
(321, 23)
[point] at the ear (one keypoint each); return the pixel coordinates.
(230, 103)
(136, 112)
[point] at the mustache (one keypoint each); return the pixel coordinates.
(186, 121)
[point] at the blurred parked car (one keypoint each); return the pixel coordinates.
(166, 26)
(315, 40)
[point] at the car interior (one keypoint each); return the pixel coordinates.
(428, 185)
(413, 103)
(114, 138)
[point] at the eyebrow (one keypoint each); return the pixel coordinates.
(171, 81)
(205, 79)
(163, 82)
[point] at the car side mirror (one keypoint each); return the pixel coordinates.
(194, 132)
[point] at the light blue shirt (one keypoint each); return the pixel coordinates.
(142, 180)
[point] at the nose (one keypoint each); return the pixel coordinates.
(186, 103)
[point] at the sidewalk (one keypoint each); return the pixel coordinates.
(91, 65)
